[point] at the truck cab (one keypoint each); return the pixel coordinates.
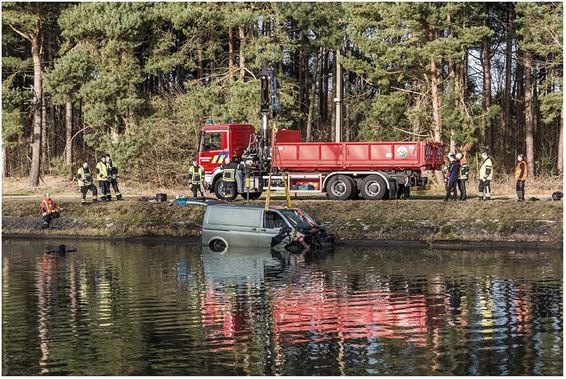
(219, 142)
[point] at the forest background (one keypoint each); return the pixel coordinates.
(138, 80)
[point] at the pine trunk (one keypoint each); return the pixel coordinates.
(529, 122)
(231, 53)
(486, 64)
(519, 104)
(4, 164)
(37, 101)
(242, 34)
(44, 136)
(312, 97)
(560, 163)
(508, 72)
(435, 97)
(69, 134)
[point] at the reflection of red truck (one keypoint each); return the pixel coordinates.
(373, 170)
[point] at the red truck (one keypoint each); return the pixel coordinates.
(343, 170)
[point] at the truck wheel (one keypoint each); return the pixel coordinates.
(373, 188)
(253, 195)
(340, 187)
(219, 191)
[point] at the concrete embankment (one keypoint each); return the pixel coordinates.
(427, 221)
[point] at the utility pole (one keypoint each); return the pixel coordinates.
(338, 98)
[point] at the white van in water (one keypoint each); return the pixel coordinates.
(227, 225)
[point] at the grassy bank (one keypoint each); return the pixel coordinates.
(427, 220)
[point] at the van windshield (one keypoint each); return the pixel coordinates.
(299, 218)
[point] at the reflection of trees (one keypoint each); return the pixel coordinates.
(123, 308)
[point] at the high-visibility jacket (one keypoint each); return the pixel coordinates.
(486, 169)
(112, 170)
(101, 171)
(84, 177)
(229, 172)
(464, 169)
(48, 206)
(196, 174)
(521, 171)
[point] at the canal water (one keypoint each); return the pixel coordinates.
(170, 308)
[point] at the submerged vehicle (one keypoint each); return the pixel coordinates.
(230, 225)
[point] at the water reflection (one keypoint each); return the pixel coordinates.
(118, 308)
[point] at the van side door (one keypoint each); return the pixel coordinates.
(244, 226)
(273, 221)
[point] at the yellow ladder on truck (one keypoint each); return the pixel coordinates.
(284, 178)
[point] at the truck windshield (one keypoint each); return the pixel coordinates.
(210, 141)
(299, 218)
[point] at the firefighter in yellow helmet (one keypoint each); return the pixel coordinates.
(196, 179)
(486, 175)
(84, 178)
(102, 177)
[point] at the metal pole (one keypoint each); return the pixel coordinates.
(338, 98)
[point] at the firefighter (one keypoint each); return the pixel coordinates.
(453, 173)
(463, 175)
(49, 211)
(112, 179)
(102, 177)
(196, 179)
(521, 174)
(229, 177)
(486, 175)
(84, 178)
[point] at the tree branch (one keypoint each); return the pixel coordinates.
(28, 37)
(77, 133)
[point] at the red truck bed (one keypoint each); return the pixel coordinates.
(357, 156)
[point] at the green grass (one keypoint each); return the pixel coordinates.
(426, 220)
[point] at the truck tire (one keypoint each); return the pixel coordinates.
(253, 195)
(373, 188)
(219, 191)
(340, 187)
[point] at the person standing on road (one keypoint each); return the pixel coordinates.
(112, 179)
(446, 170)
(84, 177)
(196, 179)
(521, 174)
(229, 177)
(102, 177)
(486, 175)
(452, 178)
(463, 175)
(49, 211)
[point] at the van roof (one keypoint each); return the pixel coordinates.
(254, 206)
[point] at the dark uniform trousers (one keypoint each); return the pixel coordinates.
(114, 184)
(462, 189)
(451, 190)
(520, 188)
(104, 189)
(86, 188)
(196, 187)
(48, 217)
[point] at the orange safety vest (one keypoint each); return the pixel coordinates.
(48, 205)
(521, 166)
